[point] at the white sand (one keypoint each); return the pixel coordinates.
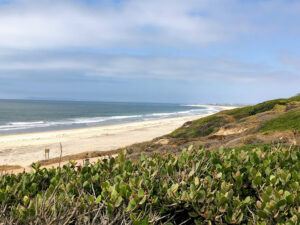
(23, 149)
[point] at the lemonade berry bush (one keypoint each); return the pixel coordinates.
(224, 186)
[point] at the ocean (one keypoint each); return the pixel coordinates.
(21, 116)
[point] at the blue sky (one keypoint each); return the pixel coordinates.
(192, 51)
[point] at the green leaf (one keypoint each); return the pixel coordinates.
(144, 221)
(2, 196)
(201, 196)
(141, 193)
(85, 184)
(193, 214)
(257, 180)
(118, 201)
(26, 200)
(131, 205)
(240, 218)
(114, 195)
(174, 188)
(247, 200)
(143, 200)
(288, 197)
(272, 178)
(98, 199)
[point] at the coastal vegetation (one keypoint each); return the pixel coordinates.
(256, 185)
(273, 115)
(201, 127)
(287, 121)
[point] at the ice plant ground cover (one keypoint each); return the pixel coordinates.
(252, 185)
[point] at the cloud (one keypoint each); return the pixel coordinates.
(96, 66)
(56, 24)
(198, 41)
(35, 25)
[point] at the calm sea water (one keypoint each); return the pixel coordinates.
(30, 115)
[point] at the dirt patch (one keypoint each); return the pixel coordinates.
(284, 137)
(163, 141)
(230, 131)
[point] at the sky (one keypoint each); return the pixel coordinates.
(191, 51)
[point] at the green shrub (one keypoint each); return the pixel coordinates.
(295, 98)
(201, 127)
(225, 186)
(243, 112)
(288, 121)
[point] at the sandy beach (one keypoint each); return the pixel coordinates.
(24, 149)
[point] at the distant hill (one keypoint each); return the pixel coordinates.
(274, 121)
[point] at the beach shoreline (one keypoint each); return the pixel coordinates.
(26, 148)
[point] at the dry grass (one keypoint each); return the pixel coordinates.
(5, 168)
(79, 156)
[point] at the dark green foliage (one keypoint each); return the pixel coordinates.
(295, 98)
(287, 121)
(250, 147)
(201, 127)
(243, 112)
(225, 186)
